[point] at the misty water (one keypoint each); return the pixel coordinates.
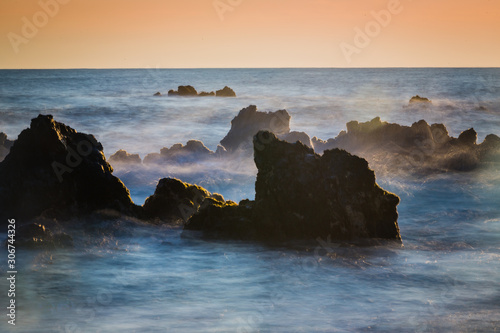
(134, 277)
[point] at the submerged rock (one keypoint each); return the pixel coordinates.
(175, 200)
(204, 93)
(157, 94)
(225, 92)
(37, 236)
(54, 170)
(302, 195)
(122, 156)
(418, 99)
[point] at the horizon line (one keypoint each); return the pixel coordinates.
(183, 68)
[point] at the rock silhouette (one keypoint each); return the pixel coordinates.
(193, 151)
(302, 195)
(417, 148)
(191, 91)
(418, 99)
(121, 156)
(5, 145)
(225, 92)
(54, 170)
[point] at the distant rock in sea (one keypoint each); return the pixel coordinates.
(302, 195)
(193, 151)
(157, 94)
(122, 156)
(418, 99)
(249, 121)
(55, 171)
(5, 145)
(191, 91)
(225, 92)
(418, 148)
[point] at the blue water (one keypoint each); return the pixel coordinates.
(146, 279)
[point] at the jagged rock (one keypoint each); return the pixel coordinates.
(157, 94)
(225, 92)
(249, 121)
(121, 156)
(5, 145)
(175, 200)
(183, 91)
(420, 147)
(193, 151)
(301, 195)
(55, 170)
(37, 236)
(418, 99)
(204, 93)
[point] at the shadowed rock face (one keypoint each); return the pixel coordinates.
(301, 195)
(175, 200)
(5, 145)
(54, 170)
(183, 91)
(249, 121)
(191, 91)
(36, 236)
(419, 148)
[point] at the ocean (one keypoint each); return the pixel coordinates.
(149, 279)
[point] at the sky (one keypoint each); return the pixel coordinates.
(249, 33)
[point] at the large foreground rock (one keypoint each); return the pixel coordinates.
(302, 195)
(54, 170)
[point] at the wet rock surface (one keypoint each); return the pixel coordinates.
(56, 171)
(302, 195)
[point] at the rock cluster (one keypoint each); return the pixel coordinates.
(302, 195)
(419, 147)
(191, 91)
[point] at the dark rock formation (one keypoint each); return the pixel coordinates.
(121, 156)
(36, 236)
(301, 195)
(193, 151)
(54, 170)
(418, 99)
(295, 136)
(5, 145)
(175, 200)
(157, 94)
(420, 147)
(183, 91)
(249, 121)
(204, 93)
(225, 92)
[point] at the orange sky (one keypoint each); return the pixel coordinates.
(251, 33)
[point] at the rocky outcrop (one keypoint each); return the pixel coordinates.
(122, 156)
(225, 92)
(5, 145)
(302, 195)
(418, 99)
(55, 171)
(183, 91)
(176, 201)
(417, 148)
(191, 91)
(249, 121)
(193, 151)
(157, 94)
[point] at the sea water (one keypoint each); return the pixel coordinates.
(145, 278)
